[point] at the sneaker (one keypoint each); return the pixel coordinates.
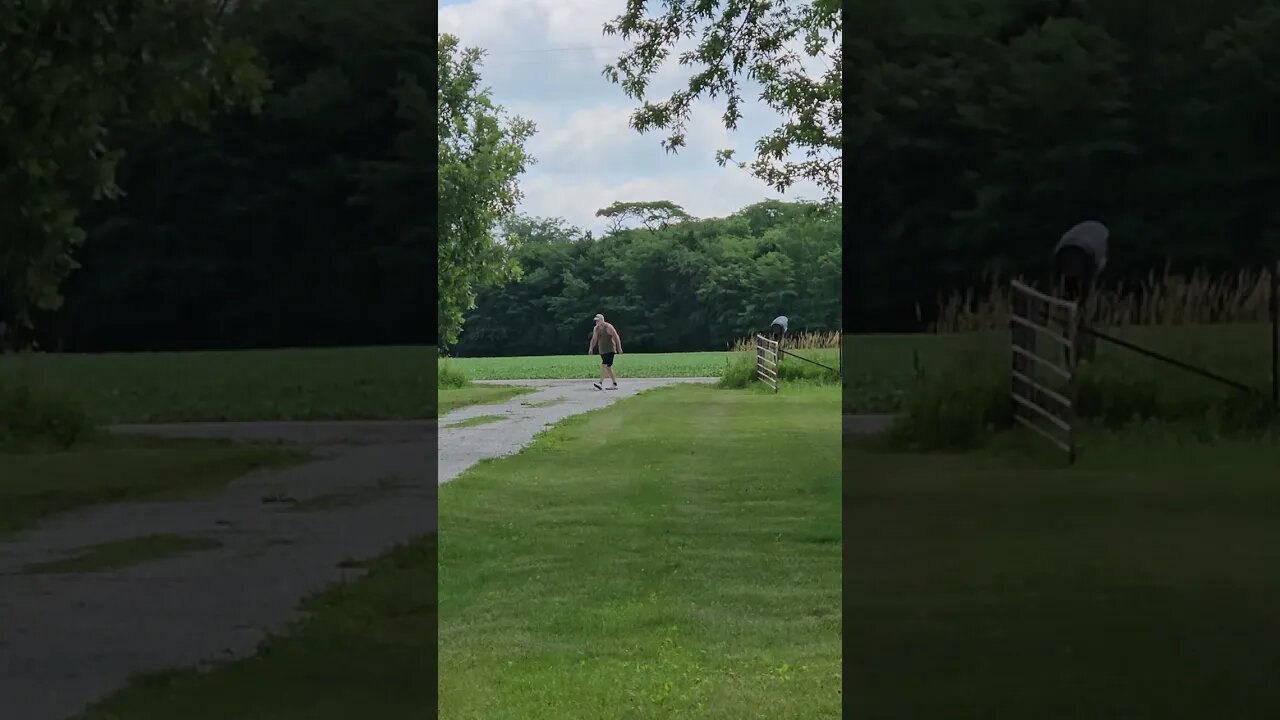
(596, 386)
(613, 386)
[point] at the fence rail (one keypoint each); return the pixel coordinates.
(767, 361)
(1042, 384)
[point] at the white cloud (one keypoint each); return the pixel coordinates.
(544, 61)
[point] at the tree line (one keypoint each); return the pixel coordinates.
(258, 177)
(981, 131)
(218, 174)
(672, 283)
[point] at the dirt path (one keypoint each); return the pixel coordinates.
(866, 424)
(526, 416)
(67, 640)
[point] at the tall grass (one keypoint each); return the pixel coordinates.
(741, 369)
(799, 341)
(449, 375)
(1164, 299)
(960, 404)
(1192, 317)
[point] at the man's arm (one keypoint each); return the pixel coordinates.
(617, 341)
(591, 348)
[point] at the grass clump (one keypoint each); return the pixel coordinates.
(740, 372)
(960, 404)
(35, 416)
(451, 376)
(740, 365)
(124, 553)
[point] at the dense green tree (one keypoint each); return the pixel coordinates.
(980, 131)
(740, 42)
(71, 77)
(304, 224)
(654, 215)
(693, 285)
(481, 156)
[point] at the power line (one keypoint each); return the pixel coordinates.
(536, 51)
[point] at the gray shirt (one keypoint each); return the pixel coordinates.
(1090, 236)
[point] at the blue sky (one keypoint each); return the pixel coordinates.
(544, 64)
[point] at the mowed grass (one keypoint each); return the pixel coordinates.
(311, 384)
(1139, 584)
(365, 649)
(675, 555)
(451, 399)
(123, 553)
(879, 370)
(633, 365)
(111, 469)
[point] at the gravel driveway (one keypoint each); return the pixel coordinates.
(68, 640)
(866, 424)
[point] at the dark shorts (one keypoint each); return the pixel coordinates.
(606, 359)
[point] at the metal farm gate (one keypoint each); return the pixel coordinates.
(1043, 332)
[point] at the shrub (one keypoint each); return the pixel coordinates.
(740, 372)
(958, 406)
(449, 376)
(33, 416)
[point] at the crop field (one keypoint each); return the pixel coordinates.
(637, 365)
(386, 383)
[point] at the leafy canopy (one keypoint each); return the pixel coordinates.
(481, 156)
(766, 42)
(654, 215)
(71, 76)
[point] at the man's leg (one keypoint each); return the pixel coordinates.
(606, 370)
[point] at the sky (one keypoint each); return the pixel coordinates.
(543, 63)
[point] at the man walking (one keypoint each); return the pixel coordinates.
(605, 339)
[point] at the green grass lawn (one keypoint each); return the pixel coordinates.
(366, 649)
(320, 384)
(451, 399)
(1139, 584)
(674, 555)
(36, 485)
(478, 420)
(634, 365)
(123, 553)
(879, 369)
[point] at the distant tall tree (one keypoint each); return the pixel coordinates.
(655, 215)
(70, 74)
(481, 156)
(766, 41)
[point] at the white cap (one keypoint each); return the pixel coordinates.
(598, 317)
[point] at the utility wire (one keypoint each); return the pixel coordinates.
(536, 51)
